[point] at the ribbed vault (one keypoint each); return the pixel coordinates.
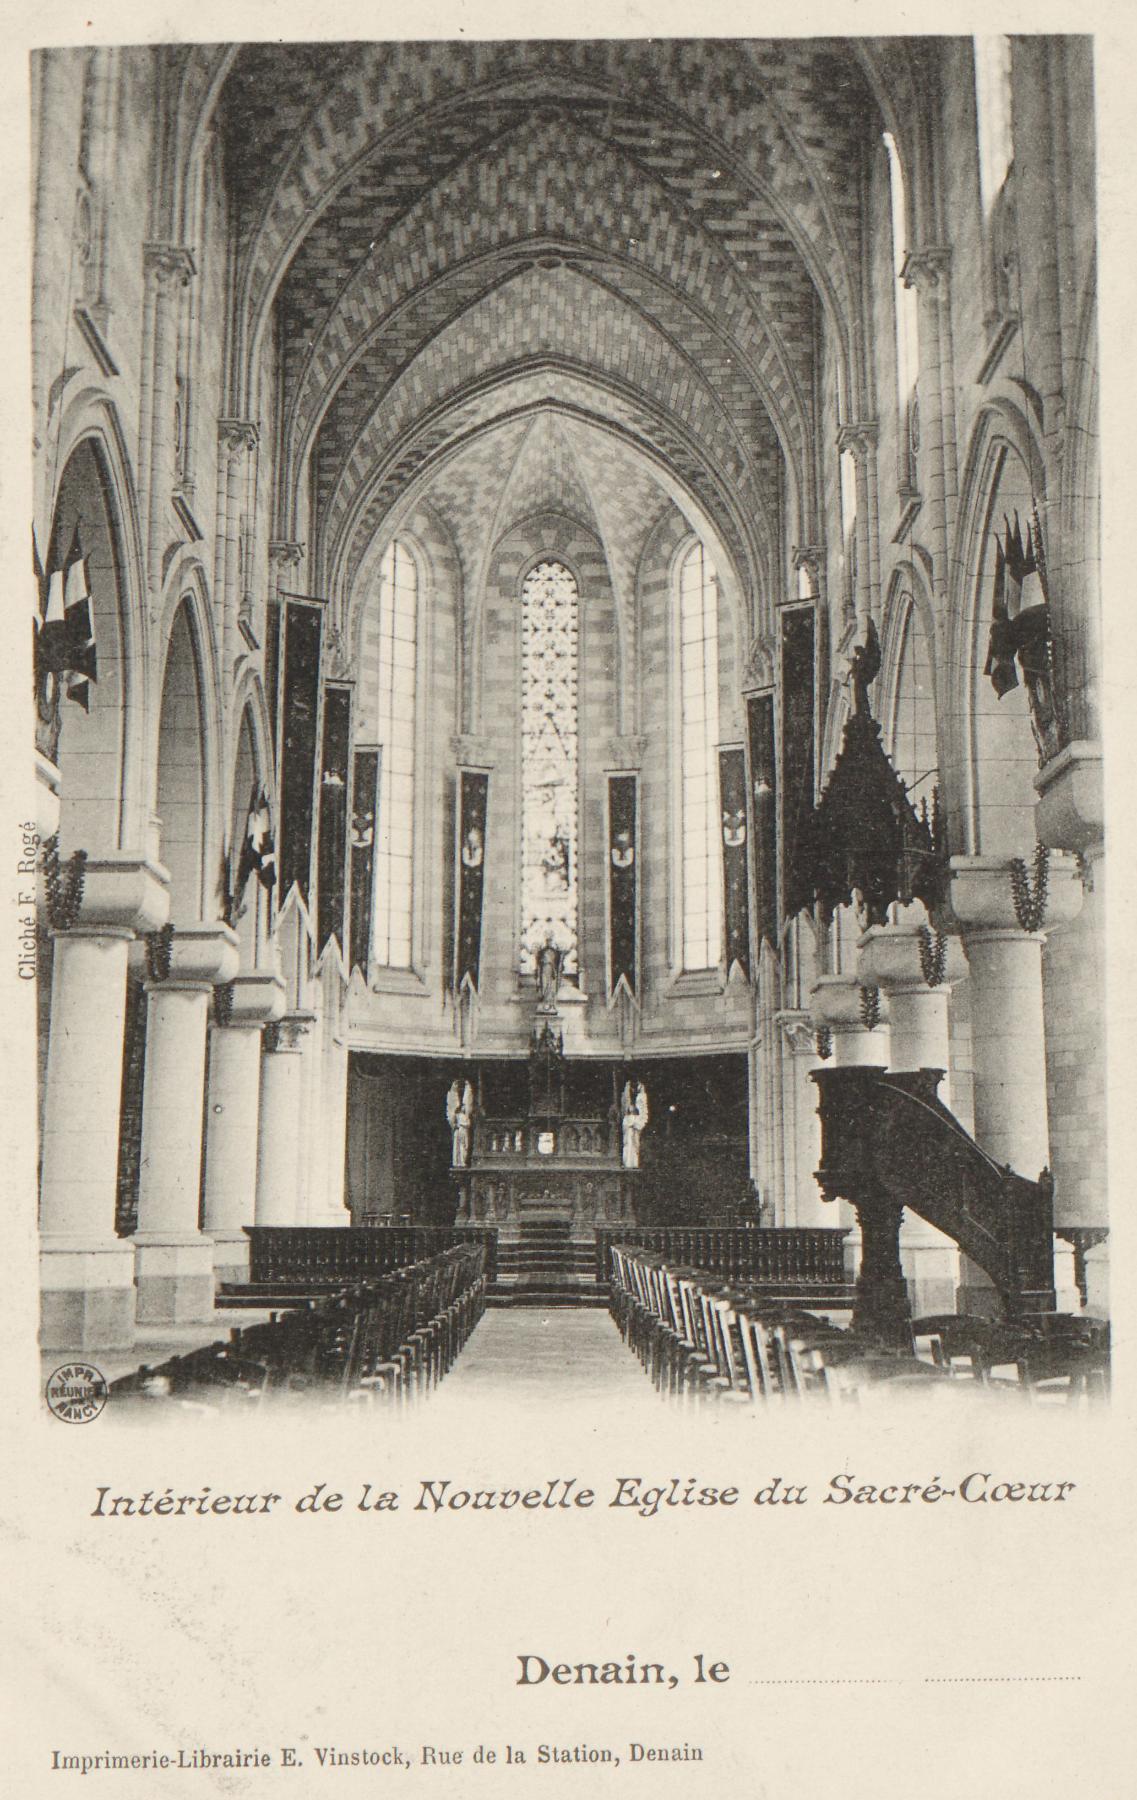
(640, 244)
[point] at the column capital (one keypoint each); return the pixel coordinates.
(206, 952)
(986, 894)
(799, 1032)
(860, 436)
(1071, 812)
(123, 893)
(909, 958)
(286, 552)
(171, 265)
(927, 267)
(255, 998)
(835, 1000)
(285, 1036)
(236, 435)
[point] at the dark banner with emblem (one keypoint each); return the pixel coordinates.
(798, 728)
(763, 817)
(364, 802)
(622, 853)
(735, 899)
(473, 797)
(331, 854)
(301, 628)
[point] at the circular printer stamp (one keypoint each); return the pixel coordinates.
(76, 1393)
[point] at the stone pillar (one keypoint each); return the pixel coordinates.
(805, 1204)
(168, 267)
(928, 271)
(231, 1119)
(335, 1130)
(893, 959)
(836, 1008)
(280, 1177)
(237, 440)
(860, 437)
(173, 1261)
(86, 1272)
(1007, 1030)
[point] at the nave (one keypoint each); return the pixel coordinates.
(706, 1337)
(567, 717)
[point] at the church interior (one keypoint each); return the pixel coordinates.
(567, 741)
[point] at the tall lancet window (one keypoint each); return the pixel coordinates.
(549, 763)
(700, 825)
(394, 838)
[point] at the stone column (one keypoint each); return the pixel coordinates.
(836, 1007)
(804, 1203)
(893, 959)
(86, 1272)
(173, 1261)
(1007, 1029)
(280, 1200)
(237, 440)
(860, 437)
(334, 1130)
(928, 271)
(168, 268)
(231, 1120)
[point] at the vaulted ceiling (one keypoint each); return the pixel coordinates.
(495, 271)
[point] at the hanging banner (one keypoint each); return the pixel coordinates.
(763, 816)
(301, 630)
(364, 802)
(473, 796)
(331, 853)
(622, 874)
(735, 898)
(798, 729)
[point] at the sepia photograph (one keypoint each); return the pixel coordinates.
(562, 893)
(567, 746)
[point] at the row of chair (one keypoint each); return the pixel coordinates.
(703, 1340)
(1056, 1358)
(390, 1339)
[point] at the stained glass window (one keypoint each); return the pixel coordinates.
(549, 629)
(394, 841)
(700, 822)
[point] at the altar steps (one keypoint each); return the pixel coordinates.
(545, 1267)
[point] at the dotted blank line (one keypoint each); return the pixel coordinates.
(893, 1680)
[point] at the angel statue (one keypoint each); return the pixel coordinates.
(633, 1118)
(460, 1118)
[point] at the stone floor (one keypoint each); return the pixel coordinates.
(561, 1357)
(156, 1344)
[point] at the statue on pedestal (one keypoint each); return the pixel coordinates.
(633, 1118)
(460, 1118)
(549, 962)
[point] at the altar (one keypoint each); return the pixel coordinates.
(544, 1165)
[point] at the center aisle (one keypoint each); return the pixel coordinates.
(558, 1358)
